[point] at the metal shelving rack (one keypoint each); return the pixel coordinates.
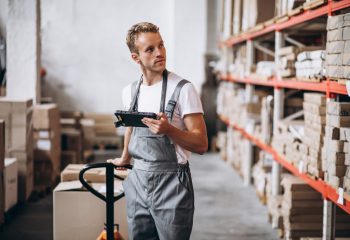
(331, 89)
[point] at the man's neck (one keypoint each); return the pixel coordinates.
(151, 78)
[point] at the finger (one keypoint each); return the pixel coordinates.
(150, 120)
(162, 116)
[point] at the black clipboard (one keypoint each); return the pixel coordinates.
(132, 119)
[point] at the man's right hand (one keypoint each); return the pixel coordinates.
(119, 162)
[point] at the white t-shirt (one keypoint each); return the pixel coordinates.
(149, 101)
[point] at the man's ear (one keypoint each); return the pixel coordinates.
(135, 57)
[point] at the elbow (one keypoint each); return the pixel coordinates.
(203, 148)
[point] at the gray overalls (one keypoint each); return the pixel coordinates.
(159, 191)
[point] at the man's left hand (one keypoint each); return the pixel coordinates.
(158, 126)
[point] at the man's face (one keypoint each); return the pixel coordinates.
(151, 52)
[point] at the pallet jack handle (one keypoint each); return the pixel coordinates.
(109, 198)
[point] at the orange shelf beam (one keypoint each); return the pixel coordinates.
(307, 15)
(333, 87)
(319, 185)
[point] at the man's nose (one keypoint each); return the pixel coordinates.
(159, 52)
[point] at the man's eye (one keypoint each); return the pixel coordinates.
(161, 45)
(149, 50)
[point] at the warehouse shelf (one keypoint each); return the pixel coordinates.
(324, 86)
(307, 15)
(319, 185)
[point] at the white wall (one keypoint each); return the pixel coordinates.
(84, 50)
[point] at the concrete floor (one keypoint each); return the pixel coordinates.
(225, 209)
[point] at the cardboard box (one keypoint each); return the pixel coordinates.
(315, 98)
(346, 72)
(338, 121)
(78, 214)
(338, 158)
(332, 133)
(71, 173)
(46, 116)
(335, 71)
(318, 55)
(347, 159)
(344, 134)
(336, 170)
(335, 59)
(335, 181)
(314, 109)
(334, 145)
(2, 144)
(347, 47)
(335, 22)
(11, 183)
(346, 33)
(288, 50)
(72, 141)
(335, 47)
(346, 147)
(335, 35)
(312, 118)
(345, 59)
(338, 108)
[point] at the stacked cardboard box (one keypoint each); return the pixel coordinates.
(222, 144)
(88, 128)
(315, 120)
(261, 170)
(238, 68)
(311, 65)
(337, 134)
(47, 146)
(256, 12)
(286, 139)
(19, 140)
(266, 69)
(70, 198)
(105, 131)
(302, 209)
(266, 119)
(2, 163)
(338, 47)
(274, 206)
(72, 143)
(11, 183)
(287, 58)
(71, 137)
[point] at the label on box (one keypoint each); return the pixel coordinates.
(341, 196)
(44, 134)
(43, 145)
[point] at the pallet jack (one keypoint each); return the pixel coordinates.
(109, 233)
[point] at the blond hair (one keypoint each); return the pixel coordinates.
(135, 30)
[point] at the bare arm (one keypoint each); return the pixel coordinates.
(193, 139)
(125, 157)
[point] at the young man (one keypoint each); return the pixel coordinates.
(159, 192)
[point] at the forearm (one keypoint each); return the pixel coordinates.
(194, 141)
(125, 154)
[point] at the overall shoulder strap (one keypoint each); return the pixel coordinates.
(134, 95)
(173, 100)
